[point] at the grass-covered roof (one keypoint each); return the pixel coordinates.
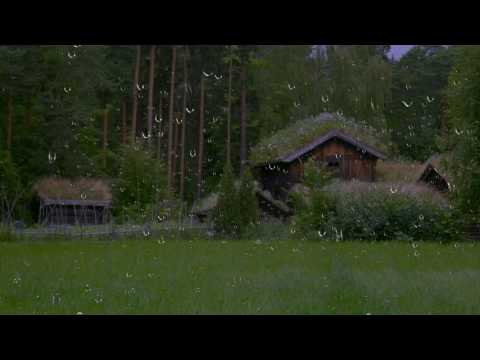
(307, 131)
(83, 189)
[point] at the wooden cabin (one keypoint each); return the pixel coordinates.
(67, 202)
(344, 155)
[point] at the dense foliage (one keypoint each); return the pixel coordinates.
(68, 111)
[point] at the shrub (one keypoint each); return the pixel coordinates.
(247, 202)
(237, 209)
(379, 212)
(227, 215)
(140, 185)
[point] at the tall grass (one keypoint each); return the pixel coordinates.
(200, 276)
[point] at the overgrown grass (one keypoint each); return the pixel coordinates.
(200, 276)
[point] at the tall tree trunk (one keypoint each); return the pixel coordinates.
(136, 86)
(160, 127)
(201, 137)
(151, 88)
(105, 137)
(243, 123)
(229, 115)
(184, 126)
(124, 122)
(9, 126)
(175, 153)
(170, 118)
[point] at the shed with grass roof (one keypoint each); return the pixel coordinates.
(74, 202)
(348, 148)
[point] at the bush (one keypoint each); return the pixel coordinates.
(237, 209)
(379, 212)
(141, 184)
(227, 215)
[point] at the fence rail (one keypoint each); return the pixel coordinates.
(111, 232)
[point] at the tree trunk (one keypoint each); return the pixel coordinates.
(201, 138)
(160, 127)
(105, 137)
(170, 118)
(151, 88)
(184, 126)
(136, 86)
(229, 115)
(9, 126)
(175, 154)
(243, 124)
(124, 122)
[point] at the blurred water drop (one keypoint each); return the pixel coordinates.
(52, 157)
(325, 99)
(407, 105)
(193, 154)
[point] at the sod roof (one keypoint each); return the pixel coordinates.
(305, 135)
(54, 189)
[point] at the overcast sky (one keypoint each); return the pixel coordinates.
(399, 50)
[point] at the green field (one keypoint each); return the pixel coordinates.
(238, 277)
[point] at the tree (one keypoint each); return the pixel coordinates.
(184, 125)
(227, 215)
(247, 202)
(151, 88)
(201, 136)
(417, 115)
(170, 119)
(464, 123)
(136, 90)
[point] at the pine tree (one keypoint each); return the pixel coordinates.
(247, 202)
(227, 213)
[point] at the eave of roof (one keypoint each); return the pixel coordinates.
(333, 134)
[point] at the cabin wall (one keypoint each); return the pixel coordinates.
(350, 162)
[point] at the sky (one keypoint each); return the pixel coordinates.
(399, 50)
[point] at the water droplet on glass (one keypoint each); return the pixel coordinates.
(325, 99)
(83, 196)
(291, 87)
(52, 157)
(430, 99)
(407, 105)
(193, 154)
(190, 111)
(179, 121)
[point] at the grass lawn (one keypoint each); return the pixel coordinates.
(244, 277)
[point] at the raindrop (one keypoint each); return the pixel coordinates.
(220, 77)
(83, 196)
(146, 233)
(325, 99)
(67, 90)
(421, 217)
(52, 157)
(206, 74)
(190, 111)
(417, 254)
(71, 55)
(297, 105)
(430, 99)
(128, 275)
(291, 87)
(179, 121)
(393, 191)
(157, 119)
(146, 136)
(193, 154)
(407, 105)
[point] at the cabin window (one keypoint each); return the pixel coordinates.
(333, 162)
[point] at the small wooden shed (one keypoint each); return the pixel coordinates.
(347, 156)
(74, 202)
(435, 175)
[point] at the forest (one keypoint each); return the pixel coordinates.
(169, 123)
